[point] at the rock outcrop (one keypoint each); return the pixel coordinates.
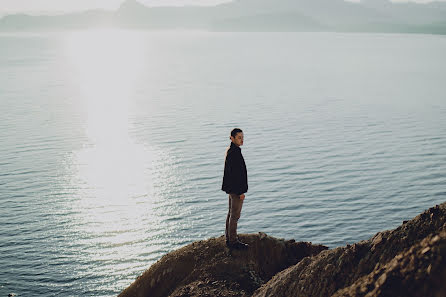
(407, 261)
(209, 268)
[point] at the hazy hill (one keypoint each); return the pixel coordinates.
(135, 15)
(410, 13)
(253, 15)
(87, 19)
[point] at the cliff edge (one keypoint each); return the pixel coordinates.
(407, 261)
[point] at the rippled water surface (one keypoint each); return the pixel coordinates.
(112, 145)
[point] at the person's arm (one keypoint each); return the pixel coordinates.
(228, 182)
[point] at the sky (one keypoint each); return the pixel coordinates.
(62, 6)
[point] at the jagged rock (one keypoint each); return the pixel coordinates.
(407, 261)
(418, 271)
(347, 265)
(208, 268)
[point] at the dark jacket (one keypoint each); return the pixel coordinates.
(235, 177)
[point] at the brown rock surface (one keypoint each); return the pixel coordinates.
(418, 271)
(209, 268)
(334, 270)
(407, 261)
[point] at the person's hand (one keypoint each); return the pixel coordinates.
(242, 196)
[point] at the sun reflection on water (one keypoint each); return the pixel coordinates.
(113, 171)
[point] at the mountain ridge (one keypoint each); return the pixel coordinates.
(251, 15)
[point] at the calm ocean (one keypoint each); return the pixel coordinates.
(112, 145)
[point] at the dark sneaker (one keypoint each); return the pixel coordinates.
(238, 245)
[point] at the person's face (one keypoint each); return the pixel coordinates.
(238, 139)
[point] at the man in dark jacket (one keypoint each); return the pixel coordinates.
(235, 183)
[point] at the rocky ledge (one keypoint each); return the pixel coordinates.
(407, 261)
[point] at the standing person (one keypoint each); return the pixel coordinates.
(235, 183)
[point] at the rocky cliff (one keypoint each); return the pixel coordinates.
(407, 261)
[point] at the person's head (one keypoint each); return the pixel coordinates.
(237, 136)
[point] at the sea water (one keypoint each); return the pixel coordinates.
(112, 145)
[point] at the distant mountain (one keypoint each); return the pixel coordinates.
(82, 20)
(132, 14)
(275, 22)
(252, 15)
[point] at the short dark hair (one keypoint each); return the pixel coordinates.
(235, 131)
